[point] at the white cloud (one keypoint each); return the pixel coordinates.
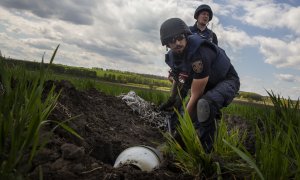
(79, 12)
(295, 91)
(124, 35)
(233, 38)
(292, 19)
(123, 32)
(287, 77)
(280, 53)
(260, 86)
(267, 14)
(252, 84)
(292, 92)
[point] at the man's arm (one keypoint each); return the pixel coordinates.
(197, 89)
(201, 68)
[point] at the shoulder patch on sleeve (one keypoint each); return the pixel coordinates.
(197, 66)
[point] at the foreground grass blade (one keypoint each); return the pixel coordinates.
(54, 54)
(248, 159)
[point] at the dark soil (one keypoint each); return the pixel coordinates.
(107, 126)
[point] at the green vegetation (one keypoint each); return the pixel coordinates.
(276, 155)
(23, 112)
(55, 68)
(114, 89)
(121, 78)
(149, 87)
(22, 115)
(127, 77)
(278, 138)
(251, 96)
(148, 81)
(275, 120)
(188, 154)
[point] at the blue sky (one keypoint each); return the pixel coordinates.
(262, 38)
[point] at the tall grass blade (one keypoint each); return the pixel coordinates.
(189, 153)
(248, 159)
(54, 54)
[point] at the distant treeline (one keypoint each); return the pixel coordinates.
(129, 77)
(60, 69)
(110, 75)
(131, 73)
(116, 76)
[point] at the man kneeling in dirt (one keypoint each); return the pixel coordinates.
(203, 68)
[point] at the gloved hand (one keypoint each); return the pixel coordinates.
(172, 123)
(167, 105)
(177, 103)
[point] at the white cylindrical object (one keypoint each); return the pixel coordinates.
(144, 157)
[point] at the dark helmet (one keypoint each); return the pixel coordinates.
(171, 28)
(203, 7)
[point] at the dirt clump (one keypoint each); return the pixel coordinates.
(107, 127)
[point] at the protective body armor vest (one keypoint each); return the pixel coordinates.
(183, 64)
(206, 34)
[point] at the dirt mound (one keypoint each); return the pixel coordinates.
(107, 126)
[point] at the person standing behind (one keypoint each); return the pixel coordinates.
(203, 14)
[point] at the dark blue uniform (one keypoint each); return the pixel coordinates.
(205, 34)
(199, 60)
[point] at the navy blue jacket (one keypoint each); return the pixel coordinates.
(220, 67)
(206, 33)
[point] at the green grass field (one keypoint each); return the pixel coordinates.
(276, 124)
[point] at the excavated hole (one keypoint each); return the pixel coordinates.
(106, 151)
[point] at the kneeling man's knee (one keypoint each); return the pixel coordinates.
(203, 110)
